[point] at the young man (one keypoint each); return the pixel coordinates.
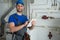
(18, 22)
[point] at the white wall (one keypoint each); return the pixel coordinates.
(40, 8)
(4, 6)
(40, 33)
(37, 10)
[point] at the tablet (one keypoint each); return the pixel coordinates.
(30, 23)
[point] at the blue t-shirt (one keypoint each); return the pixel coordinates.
(21, 18)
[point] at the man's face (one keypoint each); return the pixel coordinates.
(19, 7)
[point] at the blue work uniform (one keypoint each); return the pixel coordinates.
(21, 18)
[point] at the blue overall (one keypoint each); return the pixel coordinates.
(21, 18)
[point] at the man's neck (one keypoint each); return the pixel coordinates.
(19, 13)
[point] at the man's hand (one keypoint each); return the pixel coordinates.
(32, 26)
(33, 22)
(26, 23)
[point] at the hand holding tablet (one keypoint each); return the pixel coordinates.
(32, 22)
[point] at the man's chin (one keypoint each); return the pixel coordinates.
(19, 11)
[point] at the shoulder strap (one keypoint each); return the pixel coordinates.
(19, 22)
(15, 18)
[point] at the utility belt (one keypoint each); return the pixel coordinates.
(26, 36)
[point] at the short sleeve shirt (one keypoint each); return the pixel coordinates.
(22, 18)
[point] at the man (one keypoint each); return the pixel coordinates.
(18, 22)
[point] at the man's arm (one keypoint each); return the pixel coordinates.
(13, 28)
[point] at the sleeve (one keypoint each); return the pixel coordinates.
(27, 19)
(10, 19)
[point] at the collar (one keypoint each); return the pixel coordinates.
(19, 13)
